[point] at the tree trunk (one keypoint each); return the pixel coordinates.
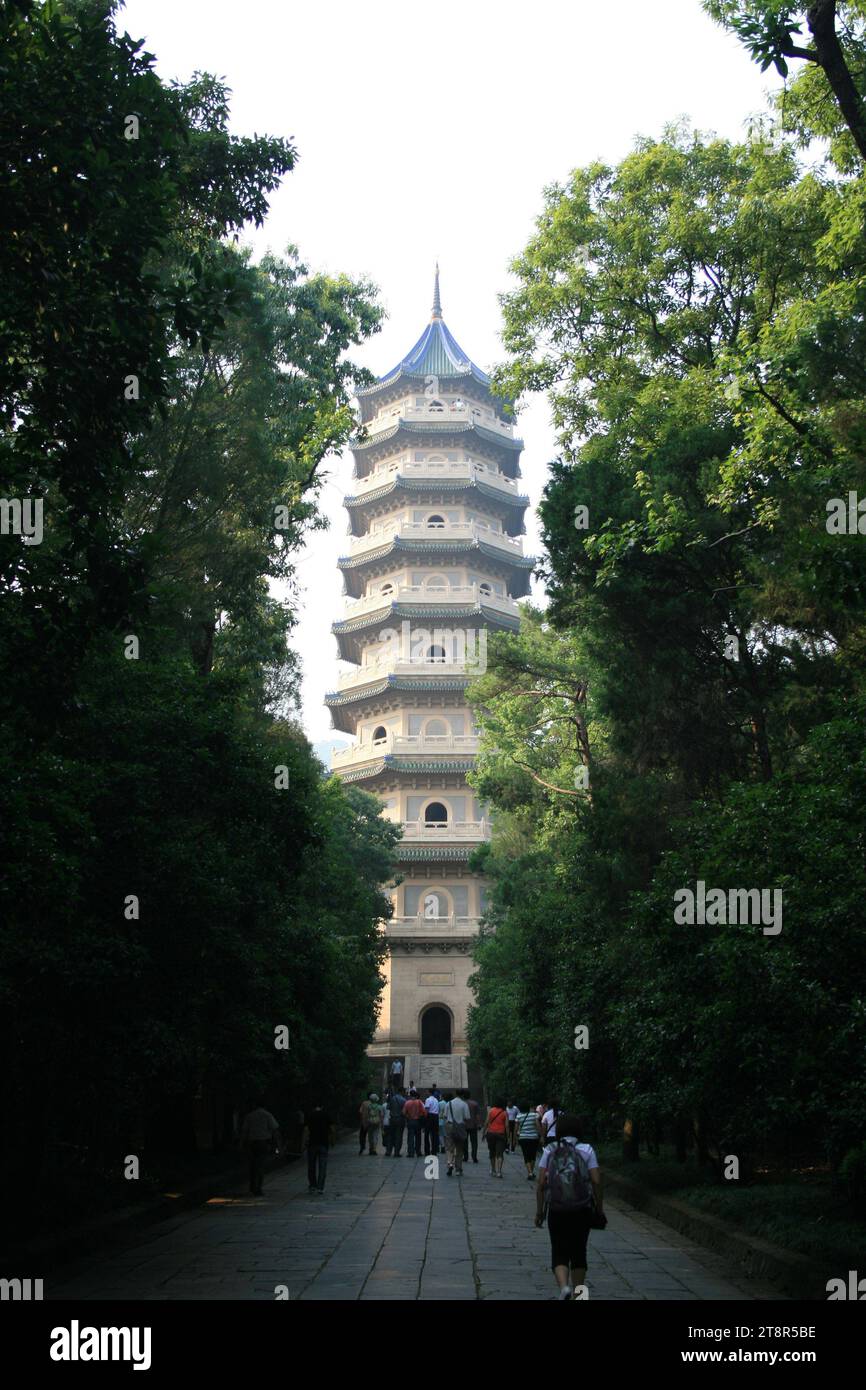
(821, 17)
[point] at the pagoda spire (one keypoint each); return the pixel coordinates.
(437, 303)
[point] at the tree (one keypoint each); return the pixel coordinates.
(770, 30)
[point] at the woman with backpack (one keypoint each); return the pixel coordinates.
(528, 1137)
(569, 1188)
(495, 1130)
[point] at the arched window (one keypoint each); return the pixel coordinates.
(387, 589)
(436, 581)
(435, 405)
(436, 653)
(435, 814)
(485, 588)
(435, 728)
(436, 1030)
(380, 734)
(435, 522)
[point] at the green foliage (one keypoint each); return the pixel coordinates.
(695, 316)
(173, 775)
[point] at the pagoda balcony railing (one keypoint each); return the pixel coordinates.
(449, 412)
(405, 745)
(375, 670)
(446, 531)
(432, 594)
(432, 926)
(449, 832)
(469, 469)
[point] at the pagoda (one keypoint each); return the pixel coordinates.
(434, 563)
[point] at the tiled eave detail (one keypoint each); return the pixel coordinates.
(408, 684)
(404, 374)
(505, 504)
(437, 429)
(435, 853)
(348, 706)
(492, 617)
(413, 767)
(437, 552)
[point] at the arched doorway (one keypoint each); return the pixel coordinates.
(436, 1030)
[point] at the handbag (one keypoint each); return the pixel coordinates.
(458, 1130)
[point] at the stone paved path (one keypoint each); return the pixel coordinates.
(383, 1231)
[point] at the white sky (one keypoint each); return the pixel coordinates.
(429, 132)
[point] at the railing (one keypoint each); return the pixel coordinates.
(435, 926)
(431, 593)
(375, 670)
(405, 745)
(447, 531)
(448, 831)
(460, 468)
(447, 415)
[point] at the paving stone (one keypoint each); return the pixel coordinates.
(383, 1232)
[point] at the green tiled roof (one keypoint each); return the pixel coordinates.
(434, 547)
(518, 501)
(437, 427)
(435, 852)
(492, 616)
(407, 683)
(413, 767)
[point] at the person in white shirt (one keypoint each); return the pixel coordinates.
(431, 1123)
(258, 1135)
(457, 1116)
(548, 1121)
(573, 1208)
(512, 1111)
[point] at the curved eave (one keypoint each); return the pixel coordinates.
(346, 704)
(337, 698)
(508, 503)
(412, 767)
(492, 616)
(433, 853)
(413, 428)
(517, 567)
(466, 372)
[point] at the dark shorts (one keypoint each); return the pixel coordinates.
(496, 1144)
(568, 1235)
(529, 1148)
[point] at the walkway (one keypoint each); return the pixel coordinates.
(384, 1231)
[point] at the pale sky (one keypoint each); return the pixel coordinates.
(429, 132)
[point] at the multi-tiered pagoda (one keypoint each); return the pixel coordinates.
(435, 560)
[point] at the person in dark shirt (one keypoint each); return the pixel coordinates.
(319, 1133)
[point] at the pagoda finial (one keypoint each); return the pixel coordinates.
(437, 304)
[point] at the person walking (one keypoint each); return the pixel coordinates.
(371, 1118)
(320, 1133)
(548, 1121)
(431, 1123)
(570, 1191)
(456, 1120)
(386, 1123)
(442, 1133)
(495, 1132)
(259, 1132)
(413, 1113)
(471, 1128)
(528, 1137)
(512, 1111)
(396, 1105)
